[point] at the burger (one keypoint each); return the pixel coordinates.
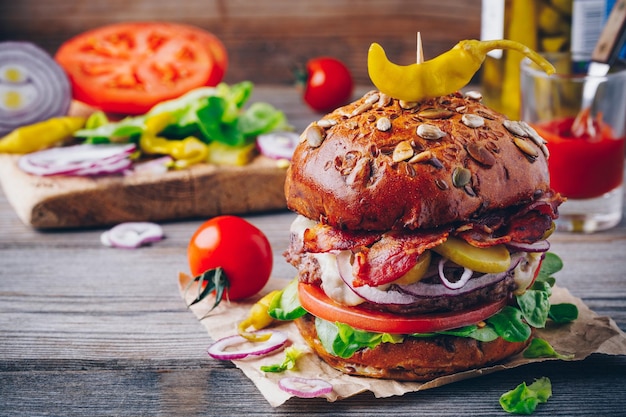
(421, 228)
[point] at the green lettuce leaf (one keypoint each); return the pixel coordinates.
(286, 305)
(563, 313)
(509, 325)
(524, 399)
(209, 113)
(261, 118)
(292, 354)
(540, 348)
(342, 340)
(534, 304)
(212, 126)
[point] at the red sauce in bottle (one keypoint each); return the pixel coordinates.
(585, 166)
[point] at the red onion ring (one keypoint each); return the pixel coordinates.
(371, 294)
(218, 349)
(131, 235)
(305, 387)
(539, 246)
(84, 159)
(278, 145)
(467, 274)
(44, 79)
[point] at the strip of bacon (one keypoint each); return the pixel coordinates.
(527, 225)
(324, 238)
(392, 256)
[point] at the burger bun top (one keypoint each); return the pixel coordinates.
(380, 164)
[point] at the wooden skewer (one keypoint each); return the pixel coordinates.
(420, 51)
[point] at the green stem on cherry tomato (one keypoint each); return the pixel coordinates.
(212, 280)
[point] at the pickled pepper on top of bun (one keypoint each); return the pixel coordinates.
(442, 75)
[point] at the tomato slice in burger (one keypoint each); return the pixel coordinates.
(127, 68)
(315, 301)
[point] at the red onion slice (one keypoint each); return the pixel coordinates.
(131, 235)
(109, 167)
(41, 84)
(278, 145)
(539, 246)
(467, 274)
(371, 294)
(305, 387)
(84, 159)
(218, 350)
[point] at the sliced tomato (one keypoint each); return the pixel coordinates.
(127, 68)
(315, 301)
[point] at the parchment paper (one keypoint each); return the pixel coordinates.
(589, 334)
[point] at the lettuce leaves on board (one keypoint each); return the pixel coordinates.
(209, 113)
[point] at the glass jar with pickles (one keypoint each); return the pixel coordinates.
(543, 25)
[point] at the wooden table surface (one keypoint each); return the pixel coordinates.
(90, 330)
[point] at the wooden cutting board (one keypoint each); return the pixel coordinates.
(202, 190)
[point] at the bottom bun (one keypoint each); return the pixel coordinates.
(414, 359)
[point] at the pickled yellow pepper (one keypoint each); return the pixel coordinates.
(258, 318)
(186, 152)
(40, 135)
(444, 74)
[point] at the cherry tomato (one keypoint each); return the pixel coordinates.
(329, 84)
(239, 248)
(315, 301)
(127, 68)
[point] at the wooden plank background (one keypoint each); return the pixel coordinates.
(265, 39)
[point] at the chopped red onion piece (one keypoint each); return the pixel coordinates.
(467, 274)
(305, 387)
(220, 349)
(131, 235)
(278, 145)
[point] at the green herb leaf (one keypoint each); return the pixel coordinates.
(509, 325)
(563, 313)
(524, 399)
(484, 334)
(292, 354)
(540, 348)
(286, 305)
(535, 304)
